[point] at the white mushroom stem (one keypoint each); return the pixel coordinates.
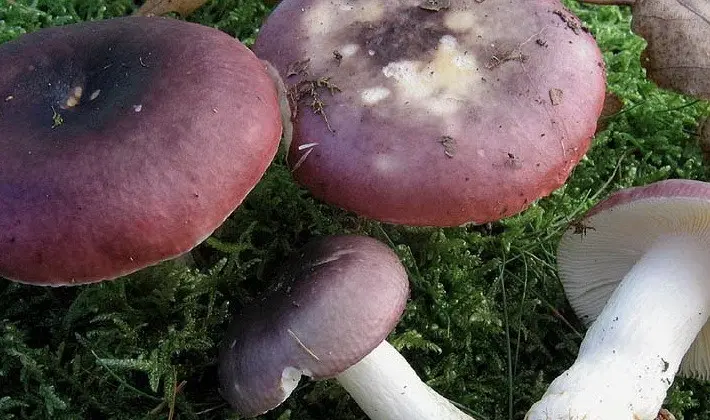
(633, 349)
(387, 388)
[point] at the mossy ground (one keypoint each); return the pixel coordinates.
(487, 324)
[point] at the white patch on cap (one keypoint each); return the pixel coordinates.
(369, 11)
(372, 96)
(461, 59)
(137, 108)
(290, 377)
(408, 78)
(319, 20)
(460, 21)
(436, 85)
(325, 17)
(348, 50)
(385, 163)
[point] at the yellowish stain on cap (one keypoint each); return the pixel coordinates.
(441, 85)
(320, 19)
(74, 98)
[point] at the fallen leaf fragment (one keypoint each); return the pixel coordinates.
(678, 34)
(162, 7)
(704, 139)
(612, 105)
(665, 415)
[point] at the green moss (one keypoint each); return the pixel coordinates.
(488, 324)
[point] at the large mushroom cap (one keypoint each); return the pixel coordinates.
(125, 142)
(337, 300)
(597, 252)
(441, 113)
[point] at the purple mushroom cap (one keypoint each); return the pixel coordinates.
(435, 112)
(336, 301)
(125, 142)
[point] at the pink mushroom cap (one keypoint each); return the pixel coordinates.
(435, 113)
(125, 142)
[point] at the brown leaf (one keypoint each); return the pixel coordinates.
(612, 105)
(678, 34)
(704, 139)
(162, 7)
(665, 415)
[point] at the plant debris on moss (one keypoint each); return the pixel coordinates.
(487, 325)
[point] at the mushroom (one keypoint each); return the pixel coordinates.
(125, 142)
(328, 316)
(637, 267)
(435, 112)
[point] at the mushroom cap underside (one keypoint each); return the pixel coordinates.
(597, 251)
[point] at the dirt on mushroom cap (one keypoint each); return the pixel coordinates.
(409, 76)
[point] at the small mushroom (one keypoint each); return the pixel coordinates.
(125, 142)
(435, 113)
(637, 268)
(328, 317)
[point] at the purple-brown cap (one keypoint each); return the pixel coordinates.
(336, 301)
(125, 142)
(441, 112)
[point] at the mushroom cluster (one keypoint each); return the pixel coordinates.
(123, 146)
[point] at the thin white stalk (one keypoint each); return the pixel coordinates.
(387, 388)
(633, 349)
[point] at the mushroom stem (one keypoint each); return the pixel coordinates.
(632, 351)
(387, 388)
